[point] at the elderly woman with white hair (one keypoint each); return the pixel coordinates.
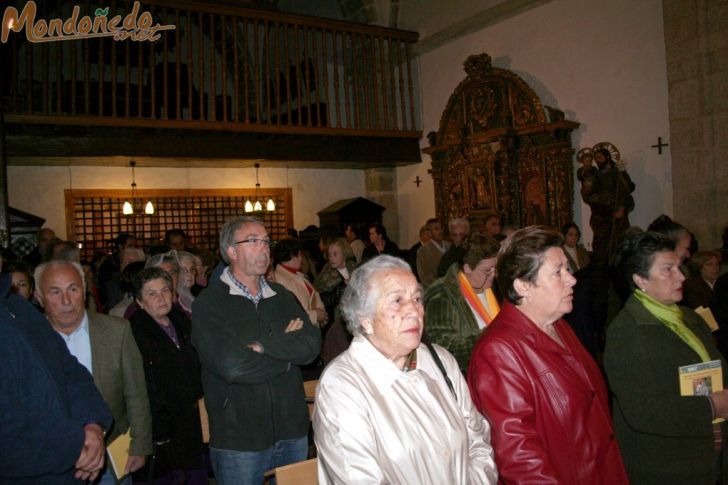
(392, 409)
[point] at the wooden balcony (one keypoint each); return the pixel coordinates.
(226, 83)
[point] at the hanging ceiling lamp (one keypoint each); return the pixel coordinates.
(128, 207)
(257, 206)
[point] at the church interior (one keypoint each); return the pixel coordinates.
(335, 99)
(485, 136)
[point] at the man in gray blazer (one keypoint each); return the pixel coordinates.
(106, 347)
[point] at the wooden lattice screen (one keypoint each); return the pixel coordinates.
(94, 217)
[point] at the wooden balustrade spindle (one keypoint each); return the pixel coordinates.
(245, 70)
(213, 71)
(177, 67)
(127, 80)
(297, 70)
(190, 68)
(411, 86)
(392, 83)
(367, 73)
(165, 71)
(101, 71)
(400, 67)
(152, 84)
(140, 79)
(287, 71)
(277, 42)
(375, 81)
(223, 50)
(201, 69)
(306, 74)
(325, 67)
(346, 69)
(267, 67)
(114, 66)
(236, 76)
(356, 89)
(317, 92)
(256, 65)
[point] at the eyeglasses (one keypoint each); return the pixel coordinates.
(257, 242)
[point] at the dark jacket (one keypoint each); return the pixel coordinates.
(696, 292)
(547, 404)
(46, 397)
(253, 400)
(174, 387)
(665, 437)
(719, 307)
(389, 248)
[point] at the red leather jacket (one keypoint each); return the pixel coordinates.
(547, 405)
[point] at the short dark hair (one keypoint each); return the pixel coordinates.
(521, 256)
(636, 254)
(478, 247)
(665, 225)
(431, 221)
(122, 238)
(565, 228)
(145, 276)
(285, 250)
(378, 228)
(126, 281)
(174, 232)
(18, 266)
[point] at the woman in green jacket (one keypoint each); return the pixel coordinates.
(665, 437)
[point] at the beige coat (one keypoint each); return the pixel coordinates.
(296, 284)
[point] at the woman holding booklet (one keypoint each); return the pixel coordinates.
(666, 436)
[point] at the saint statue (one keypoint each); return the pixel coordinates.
(608, 191)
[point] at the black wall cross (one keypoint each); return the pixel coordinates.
(660, 145)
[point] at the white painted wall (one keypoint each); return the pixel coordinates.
(40, 190)
(603, 63)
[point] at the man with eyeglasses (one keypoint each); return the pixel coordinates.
(251, 337)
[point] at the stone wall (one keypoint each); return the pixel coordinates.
(696, 44)
(381, 187)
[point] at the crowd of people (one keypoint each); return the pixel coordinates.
(480, 355)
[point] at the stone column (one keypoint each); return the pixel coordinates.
(380, 185)
(696, 45)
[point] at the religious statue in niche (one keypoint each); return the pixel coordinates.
(607, 189)
(483, 105)
(481, 187)
(535, 202)
(522, 112)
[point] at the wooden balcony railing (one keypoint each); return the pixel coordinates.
(221, 68)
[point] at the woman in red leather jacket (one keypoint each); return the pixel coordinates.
(530, 375)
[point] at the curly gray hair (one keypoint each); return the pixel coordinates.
(360, 297)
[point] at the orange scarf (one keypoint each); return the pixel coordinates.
(472, 298)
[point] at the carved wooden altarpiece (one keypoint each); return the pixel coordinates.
(499, 150)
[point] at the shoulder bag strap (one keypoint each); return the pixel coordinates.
(442, 368)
